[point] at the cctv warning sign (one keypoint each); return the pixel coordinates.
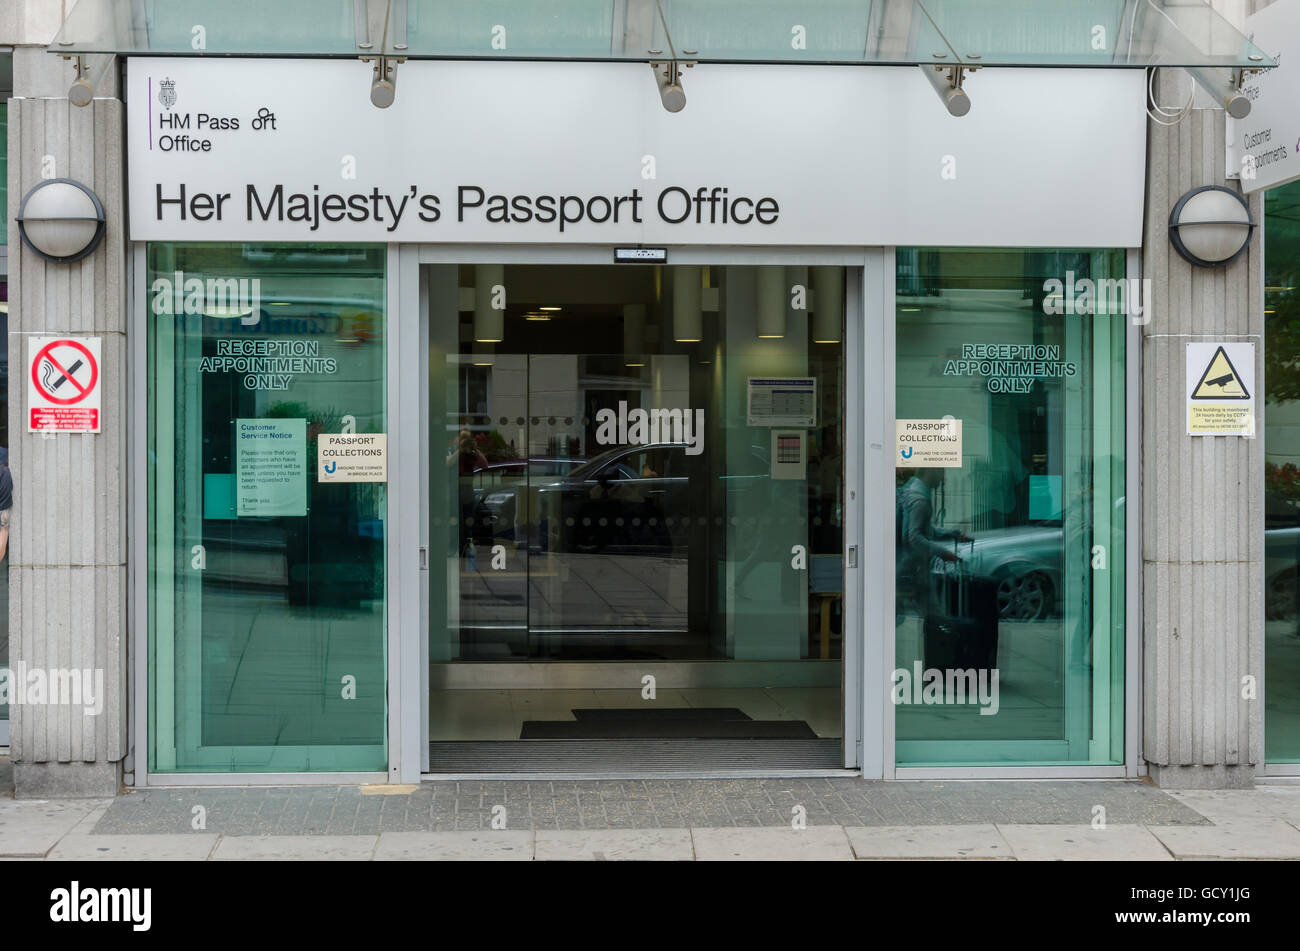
(1220, 384)
(63, 384)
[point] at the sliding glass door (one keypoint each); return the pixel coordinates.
(636, 514)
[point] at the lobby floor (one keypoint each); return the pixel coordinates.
(500, 714)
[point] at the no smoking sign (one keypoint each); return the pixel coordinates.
(63, 384)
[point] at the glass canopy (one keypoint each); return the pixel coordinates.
(1079, 33)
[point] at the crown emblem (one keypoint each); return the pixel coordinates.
(167, 93)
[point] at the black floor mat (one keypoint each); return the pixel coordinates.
(663, 713)
(650, 728)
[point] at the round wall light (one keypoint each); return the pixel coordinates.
(1211, 226)
(61, 220)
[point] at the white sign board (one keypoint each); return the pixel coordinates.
(270, 467)
(64, 384)
(927, 443)
(359, 457)
(789, 454)
(585, 153)
(782, 401)
(1221, 389)
(1264, 147)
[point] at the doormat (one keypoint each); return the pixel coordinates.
(676, 729)
(662, 713)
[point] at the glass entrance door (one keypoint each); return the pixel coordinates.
(635, 498)
(610, 520)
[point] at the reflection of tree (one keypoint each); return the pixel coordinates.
(322, 421)
(367, 495)
(1282, 342)
(494, 447)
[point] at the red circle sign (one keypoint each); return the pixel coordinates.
(46, 353)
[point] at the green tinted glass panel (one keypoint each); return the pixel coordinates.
(5, 80)
(1010, 566)
(266, 584)
(541, 28)
(989, 32)
(1282, 475)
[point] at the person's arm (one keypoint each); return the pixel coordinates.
(5, 518)
(951, 534)
(920, 535)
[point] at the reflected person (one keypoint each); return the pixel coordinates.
(468, 459)
(6, 501)
(917, 541)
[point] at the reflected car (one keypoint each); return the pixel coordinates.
(618, 501)
(497, 489)
(1025, 561)
(632, 499)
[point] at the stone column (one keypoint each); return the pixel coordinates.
(1202, 497)
(67, 550)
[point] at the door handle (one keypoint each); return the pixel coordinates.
(853, 556)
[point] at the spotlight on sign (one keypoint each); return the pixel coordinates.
(668, 77)
(947, 82)
(383, 88)
(1224, 86)
(61, 220)
(91, 71)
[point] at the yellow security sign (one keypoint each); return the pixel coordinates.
(1220, 389)
(1220, 381)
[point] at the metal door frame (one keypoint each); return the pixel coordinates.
(863, 727)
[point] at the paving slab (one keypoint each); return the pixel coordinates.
(31, 826)
(1075, 843)
(815, 844)
(87, 825)
(1253, 838)
(442, 805)
(489, 845)
(310, 848)
(646, 845)
(928, 842)
(79, 847)
(1220, 804)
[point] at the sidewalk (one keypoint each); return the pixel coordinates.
(666, 819)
